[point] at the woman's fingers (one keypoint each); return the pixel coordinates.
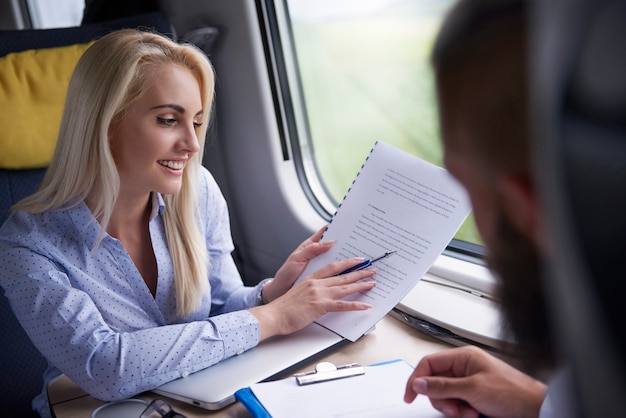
(347, 284)
(318, 235)
(312, 298)
(327, 293)
(313, 239)
(335, 268)
(305, 253)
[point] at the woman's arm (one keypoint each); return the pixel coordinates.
(113, 363)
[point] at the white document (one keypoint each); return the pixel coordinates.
(377, 393)
(398, 202)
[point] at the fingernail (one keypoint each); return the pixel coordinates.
(420, 386)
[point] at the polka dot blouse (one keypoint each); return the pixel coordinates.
(91, 315)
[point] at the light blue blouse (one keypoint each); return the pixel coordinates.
(91, 315)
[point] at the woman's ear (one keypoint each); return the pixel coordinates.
(522, 205)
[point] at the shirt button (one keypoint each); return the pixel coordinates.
(240, 352)
(185, 373)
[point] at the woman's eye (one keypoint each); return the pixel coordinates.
(166, 121)
(197, 124)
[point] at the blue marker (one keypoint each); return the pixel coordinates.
(365, 264)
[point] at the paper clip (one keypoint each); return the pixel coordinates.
(326, 371)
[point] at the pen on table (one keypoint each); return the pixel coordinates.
(365, 264)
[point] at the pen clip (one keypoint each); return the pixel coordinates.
(326, 371)
(365, 264)
(387, 254)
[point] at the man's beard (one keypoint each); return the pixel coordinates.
(520, 267)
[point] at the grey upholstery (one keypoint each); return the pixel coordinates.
(579, 109)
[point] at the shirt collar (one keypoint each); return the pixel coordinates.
(158, 205)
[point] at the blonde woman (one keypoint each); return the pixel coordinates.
(119, 267)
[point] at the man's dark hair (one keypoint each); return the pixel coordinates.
(478, 35)
(480, 63)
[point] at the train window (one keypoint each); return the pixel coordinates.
(46, 14)
(359, 71)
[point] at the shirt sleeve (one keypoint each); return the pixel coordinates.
(69, 330)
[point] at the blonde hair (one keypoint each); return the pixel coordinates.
(110, 75)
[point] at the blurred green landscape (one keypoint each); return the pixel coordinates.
(368, 78)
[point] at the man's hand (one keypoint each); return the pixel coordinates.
(467, 381)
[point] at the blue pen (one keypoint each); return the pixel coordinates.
(365, 264)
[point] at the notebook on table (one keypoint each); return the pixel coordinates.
(397, 203)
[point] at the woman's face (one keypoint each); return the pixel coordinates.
(157, 137)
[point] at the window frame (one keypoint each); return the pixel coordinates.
(287, 89)
(38, 19)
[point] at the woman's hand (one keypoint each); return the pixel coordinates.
(467, 381)
(295, 264)
(313, 297)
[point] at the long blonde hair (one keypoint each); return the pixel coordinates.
(110, 75)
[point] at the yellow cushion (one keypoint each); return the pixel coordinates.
(33, 85)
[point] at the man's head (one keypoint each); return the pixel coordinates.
(480, 66)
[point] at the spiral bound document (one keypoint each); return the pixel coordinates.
(397, 202)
